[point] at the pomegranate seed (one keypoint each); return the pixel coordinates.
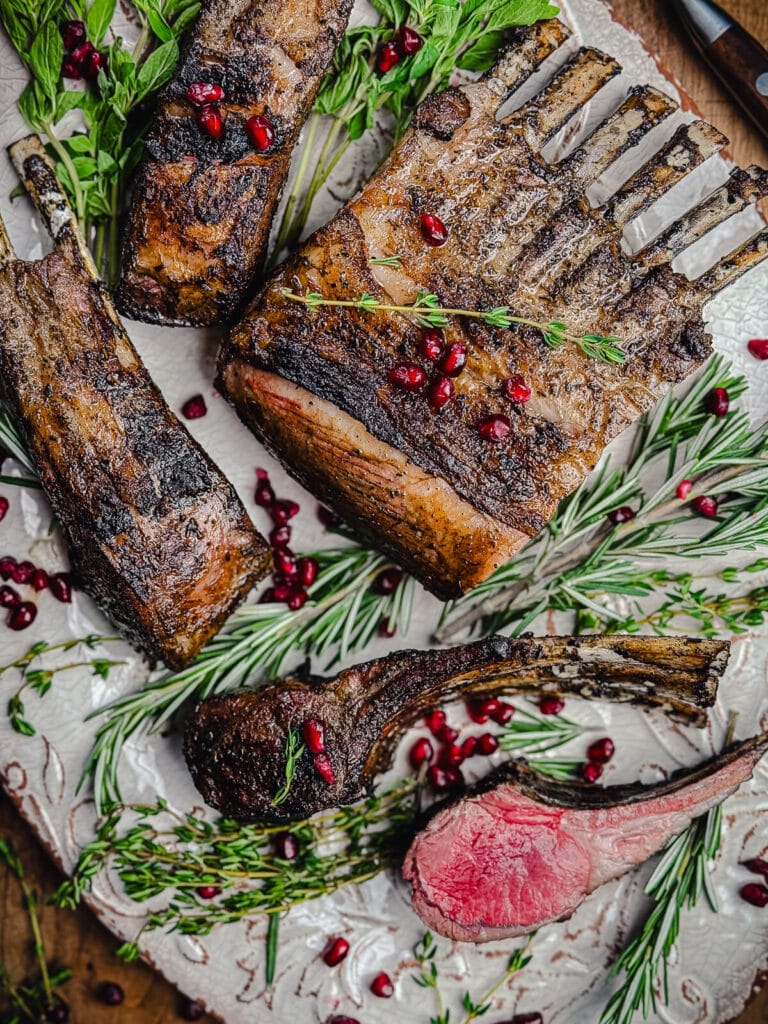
(525, 1018)
(79, 56)
(684, 488)
(285, 564)
(455, 359)
(757, 866)
(7, 562)
(755, 893)
(260, 132)
(446, 734)
(287, 846)
(190, 1010)
(476, 711)
(324, 768)
(39, 580)
(57, 1013)
(705, 506)
(490, 706)
(307, 568)
(621, 515)
(282, 591)
(758, 347)
(283, 510)
(22, 572)
(4, 506)
(313, 734)
(441, 392)
(601, 751)
(407, 377)
(591, 771)
(432, 343)
(441, 779)
(433, 231)
(387, 57)
(516, 389)
(8, 597)
(208, 892)
(328, 517)
(551, 705)
(450, 756)
(717, 402)
(268, 597)
(504, 714)
(111, 993)
(71, 68)
(297, 599)
(408, 41)
(387, 581)
(92, 64)
(280, 536)
(494, 428)
(435, 721)
(488, 744)
(200, 94)
(386, 629)
(341, 1018)
(264, 496)
(72, 33)
(209, 118)
(382, 986)
(60, 585)
(420, 753)
(469, 747)
(336, 951)
(194, 408)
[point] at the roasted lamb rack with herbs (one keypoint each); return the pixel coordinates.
(448, 439)
(217, 156)
(156, 534)
(238, 745)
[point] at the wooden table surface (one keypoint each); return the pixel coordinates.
(76, 939)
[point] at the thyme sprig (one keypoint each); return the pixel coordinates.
(294, 750)
(428, 312)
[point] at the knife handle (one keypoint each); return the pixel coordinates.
(742, 64)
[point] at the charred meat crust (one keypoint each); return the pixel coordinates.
(199, 222)
(235, 744)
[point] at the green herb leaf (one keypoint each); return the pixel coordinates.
(98, 18)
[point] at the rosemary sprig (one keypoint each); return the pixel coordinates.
(294, 750)
(12, 445)
(427, 311)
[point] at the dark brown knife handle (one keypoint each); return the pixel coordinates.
(742, 64)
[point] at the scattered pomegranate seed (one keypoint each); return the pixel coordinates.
(297, 600)
(194, 408)
(441, 779)
(758, 347)
(705, 506)
(407, 377)
(72, 33)
(190, 1010)
(386, 629)
(307, 568)
(283, 510)
(494, 428)
(209, 118)
(551, 705)
(717, 402)
(420, 753)
(280, 536)
(755, 893)
(488, 743)
(57, 1013)
(408, 40)
(60, 585)
(525, 1018)
(435, 721)
(441, 392)
(387, 57)
(268, 596)
(382, 986)
(621, 515)
(516, 389)
(335, 952)
(80, 54)
(684, 488)
(446, 734)
(324, 768)
(601, 751)
(39, 580)
(264, 495)
(22, 572)
(387, 581)
(341, 1018)
(4, 506)
(450, 756)
(433, 231)
(260, 132)
(285, 564)
(7, 562)
(313, 734)
(757, 866)
(328, 517)
(111, 993)
(455, 359)
(504, 714)
(478, 712)
(469, 747)
(287, 846)
(8, 597)
(591, 771)
(282, 591)
(200, 94)
(71, 68)
(432, 343)
(92, 64)
(208, 892)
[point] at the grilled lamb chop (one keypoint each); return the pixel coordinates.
(424, 485)
(520, 850)
(156, 534)
(235, 744)
(202, 208)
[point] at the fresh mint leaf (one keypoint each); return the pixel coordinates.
(157, 69)
(45, 57)
(98, 18)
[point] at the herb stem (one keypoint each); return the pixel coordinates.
(74, 177)
(286, 224)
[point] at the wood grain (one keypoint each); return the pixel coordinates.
(77, 939)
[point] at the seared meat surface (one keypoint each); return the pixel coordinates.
(421, 483)
(235, 744)
(156, 534)
(520, 850)
(202, 208)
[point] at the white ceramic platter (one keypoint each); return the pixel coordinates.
(710, 980)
